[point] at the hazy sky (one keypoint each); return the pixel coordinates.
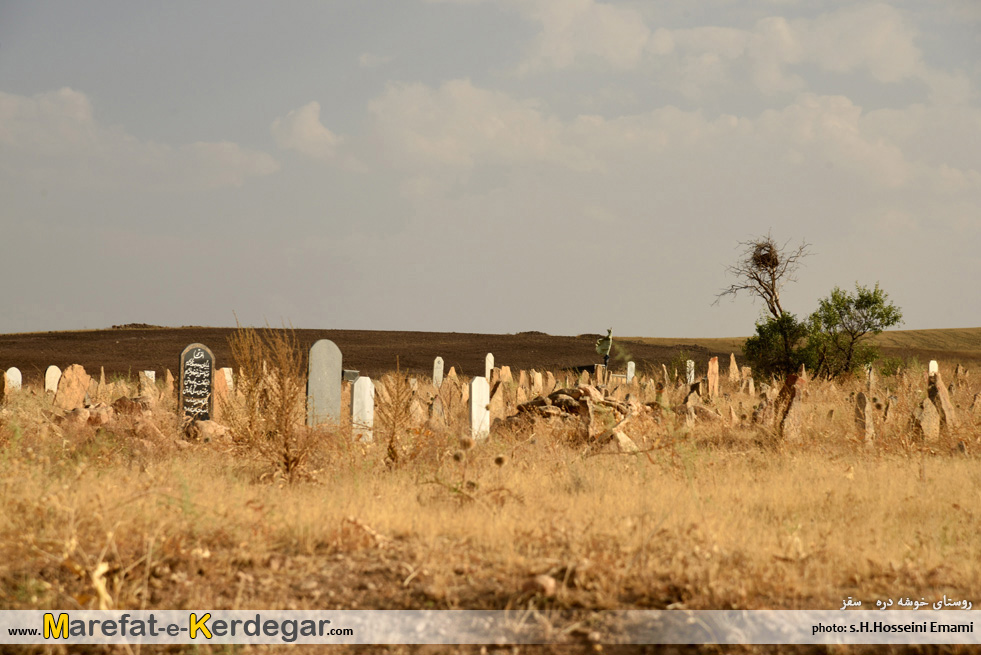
(482, 166)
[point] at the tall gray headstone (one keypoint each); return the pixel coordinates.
(631, 370)
(479, 408)
(324, 383)
(363, 409)
(14, 378)
(195, 399)
(51, 377)
(488, 365)
(438, 372)
(689, 372)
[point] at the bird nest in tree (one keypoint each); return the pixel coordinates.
(765, 256)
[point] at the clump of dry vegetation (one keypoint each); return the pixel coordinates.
(705, 513)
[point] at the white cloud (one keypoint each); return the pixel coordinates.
(301, 130)
(54, 138)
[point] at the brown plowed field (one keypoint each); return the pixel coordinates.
(125, 351)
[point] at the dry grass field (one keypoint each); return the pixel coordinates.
(719, 513)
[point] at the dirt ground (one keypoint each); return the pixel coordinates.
(126, 350)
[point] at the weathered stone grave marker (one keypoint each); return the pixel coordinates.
(941, 400)
(863, 417)
(363, 409)
(631, 371)
(324, 383)
(14, 378)
(438, 372)
(713, 378)
(689, 372)
(733, 369)
(195, 401)
(488, 365)
(51, 377)
(72, 388)
(479, 408)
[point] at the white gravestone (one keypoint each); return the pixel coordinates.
(479, 408)
(438, 372)
(690, 372)
(363, 409)
(631, 370)
(324, 383)
(151, 375)
(229, 378)
(51, 377)
(488, 365)
(934, 367)
(14, 378)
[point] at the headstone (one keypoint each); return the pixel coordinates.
(864, 417)
(495, 376)
(146, 385)
(713, 378)
(933, 368)
(870, 377)
(14, 379)
(496, 404)
(751, 387)
(363, 409)
(488, 365)
(72, 387)
(348, 375)
(438, 372)
(169, 384)
(550, 382)
(960, 373)
(926, 421)
(631, 371)
(584, 377)
(324, 383)
(229, 378)
(452, 374)
(195, 399)
(689, 372)
(51, 377)
(667, 379)
(220, 393)
(506, 374)
(479, 408)
(523, 379)
(938, 395)
(600, 373)
(536, 384)
(733, 369)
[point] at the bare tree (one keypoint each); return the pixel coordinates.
(763, 268)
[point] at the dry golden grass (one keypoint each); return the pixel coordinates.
(708, 517)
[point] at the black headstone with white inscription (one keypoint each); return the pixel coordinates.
(197, 374)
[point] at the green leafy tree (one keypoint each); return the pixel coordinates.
(780, 346)
(843, 326)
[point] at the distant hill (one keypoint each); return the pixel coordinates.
(953, 344)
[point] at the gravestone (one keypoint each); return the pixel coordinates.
(488, 365)
(169, 384)
(496, 404)
(72, 388)
(506, 374)
(733, 369)
(933, 368)
(219, 394)
(479, 408)
(600, 372)
(324, 383)
(549, 385)
(536, 384)
(363, 409)
(631, 370)
(14, 379)
(495, 376)
(584, 377)
(667, 380)
(751, 387)
(452, 374)
(926, 421)
(348, 375)
(870, 377)
(938, 395)
(51, 377)
(438, 372)
(863, 417)
(146, 386)
(689, 372)
(195, 397)
(713, 377)
(229, 375)
(523, 380)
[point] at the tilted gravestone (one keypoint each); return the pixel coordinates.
(938, 394)
(488, 365)
(363, 409)
(631, 371)
(733, 369)
(14, 379)
(195, 395)
(324, 383)
(479, 410)
(438, 372)
(72, 388)
(51, 377)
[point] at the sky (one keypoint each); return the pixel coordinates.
(490, 166)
